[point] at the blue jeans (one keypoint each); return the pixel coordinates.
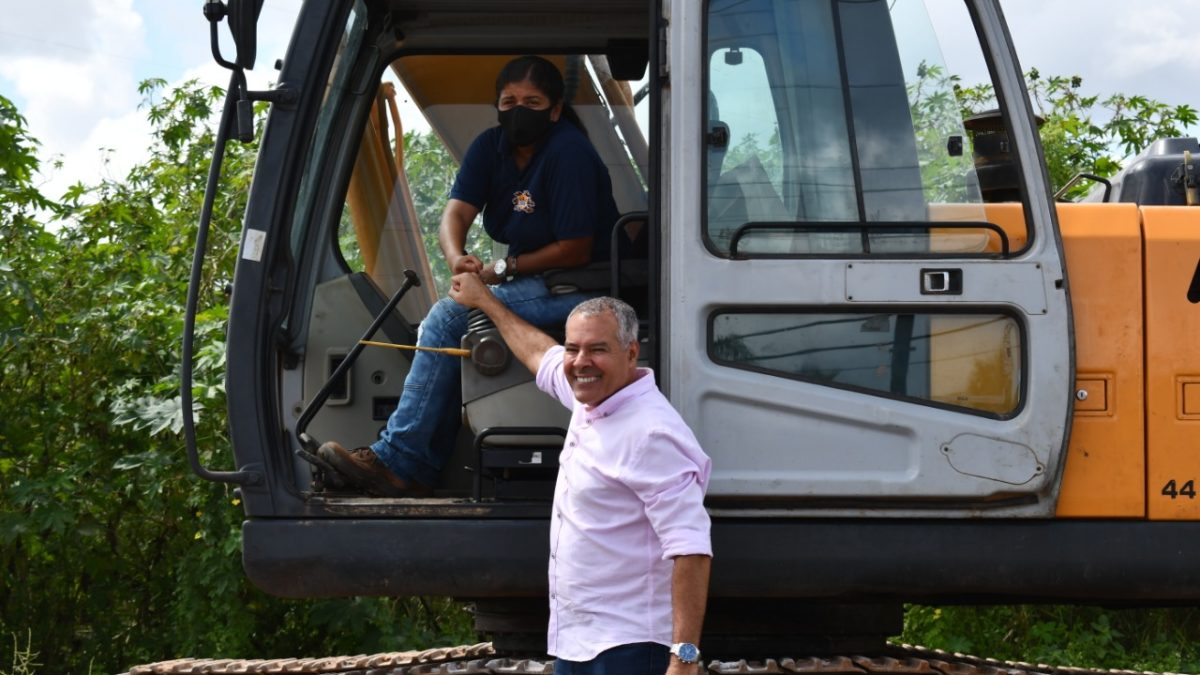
(419, 436)
(641, 658)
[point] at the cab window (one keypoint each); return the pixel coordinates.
(817, 146)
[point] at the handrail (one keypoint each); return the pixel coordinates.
(308, 449)
(865, 228)
(613, 255)
(477, 486)
(243, 477)
(1058, 196)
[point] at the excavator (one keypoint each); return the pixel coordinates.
(921, 375)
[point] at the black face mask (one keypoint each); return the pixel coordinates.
(524, 126)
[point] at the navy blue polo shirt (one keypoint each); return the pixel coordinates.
(563, 193)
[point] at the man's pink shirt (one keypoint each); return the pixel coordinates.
(629, 498)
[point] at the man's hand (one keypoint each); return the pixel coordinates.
(468, 290)
(689, 597)
(527, 343)
(466, 263)
(488, 275)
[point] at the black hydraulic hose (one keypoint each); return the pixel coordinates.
(193, 300)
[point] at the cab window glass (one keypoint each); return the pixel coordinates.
(855, 151)
(337, 90)
(970, 361)
(398, 189)
(426, 112)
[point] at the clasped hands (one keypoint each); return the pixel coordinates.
(471, 264)
(469, 289)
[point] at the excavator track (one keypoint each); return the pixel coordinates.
(481, 659)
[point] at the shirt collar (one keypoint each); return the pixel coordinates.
(643, 383)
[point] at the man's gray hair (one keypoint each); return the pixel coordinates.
(627, 321)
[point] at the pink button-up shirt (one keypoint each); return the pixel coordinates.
(629, 498)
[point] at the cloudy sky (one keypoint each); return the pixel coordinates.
(72, 66)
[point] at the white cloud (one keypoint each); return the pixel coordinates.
(63, 99)
(71, 72)
(1115, 45)
(112, 147)
(1158, 37)
(73, 66)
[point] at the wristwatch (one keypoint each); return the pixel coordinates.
(686, 652)
(502, 266)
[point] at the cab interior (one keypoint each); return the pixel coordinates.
(406, 120)
(399, 117)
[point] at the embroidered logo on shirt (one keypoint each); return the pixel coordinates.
(523, 201)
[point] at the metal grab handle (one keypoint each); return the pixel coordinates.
(1062, 192)
(477, 486)
(614, 255)
(866, 229)
(193, 300)
(310, 411)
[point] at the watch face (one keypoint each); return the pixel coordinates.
(688, 653)
(500, 267)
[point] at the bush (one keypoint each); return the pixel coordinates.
(117, 553)
(1165, 640)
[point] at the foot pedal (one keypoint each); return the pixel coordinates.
(325, 477)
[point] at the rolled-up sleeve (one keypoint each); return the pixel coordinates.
(670, 474)
(551, 379)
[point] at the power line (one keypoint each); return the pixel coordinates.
(64, 45)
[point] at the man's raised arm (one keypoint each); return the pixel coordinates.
(528, 343)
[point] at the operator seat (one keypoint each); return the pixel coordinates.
(501, 401)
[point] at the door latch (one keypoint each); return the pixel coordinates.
(941, 281)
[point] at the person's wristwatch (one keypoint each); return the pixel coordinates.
(502, 266)
(686, 652)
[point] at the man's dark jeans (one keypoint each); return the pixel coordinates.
(641, 658)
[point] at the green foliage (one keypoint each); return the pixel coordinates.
(936, 117)
(113, 554)
(122, 556)
(431, 170)
(749, 149)
(1088, 133)
(1164, 640)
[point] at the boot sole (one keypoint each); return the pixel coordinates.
(369, 482)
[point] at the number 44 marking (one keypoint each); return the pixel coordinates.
(1188, 490)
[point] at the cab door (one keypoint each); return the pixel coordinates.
(860, 316)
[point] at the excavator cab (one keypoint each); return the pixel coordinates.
(875, 345)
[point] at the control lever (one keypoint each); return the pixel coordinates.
(308, 445)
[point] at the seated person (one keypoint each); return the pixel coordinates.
(544, 191)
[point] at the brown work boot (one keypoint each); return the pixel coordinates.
(362, 469)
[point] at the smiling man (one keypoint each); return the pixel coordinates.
(629, 537)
